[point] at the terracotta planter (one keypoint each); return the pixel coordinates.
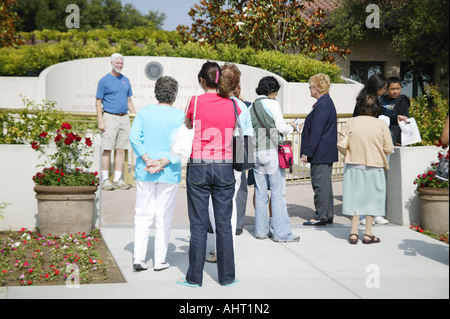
(65, 209)
(434, 209)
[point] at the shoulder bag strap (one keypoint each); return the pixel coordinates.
(195, 111)
(238, 122)
(260, 123)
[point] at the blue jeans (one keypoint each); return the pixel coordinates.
(215, 179)
(268, 173)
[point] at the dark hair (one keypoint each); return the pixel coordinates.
(267, 85)
(212, 74)
(394, 79)
(166, 89)
(369, 105)
(374, 83)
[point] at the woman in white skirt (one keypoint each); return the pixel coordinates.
(364, 190)
(157, 173)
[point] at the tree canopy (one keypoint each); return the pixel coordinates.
(8, 19)
(288, 26)
(417, 30)
(94, 14)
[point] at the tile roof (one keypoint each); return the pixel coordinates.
(326, 5)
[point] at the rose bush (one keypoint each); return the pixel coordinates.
(70, 163)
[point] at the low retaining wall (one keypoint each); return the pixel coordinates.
(402, 202)
(18, 166)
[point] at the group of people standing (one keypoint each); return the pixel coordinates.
(214, 188)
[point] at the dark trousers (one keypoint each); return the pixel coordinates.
(215, 179)
(323, 191)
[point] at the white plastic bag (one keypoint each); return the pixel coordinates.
(182, 142)
(385, 119)
(410, 132)
(181, 145)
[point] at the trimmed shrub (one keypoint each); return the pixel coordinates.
(430, 112)
(293, 68)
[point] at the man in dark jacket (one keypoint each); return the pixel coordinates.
(318, 147)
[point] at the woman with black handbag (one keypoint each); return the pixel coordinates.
(210, 174)
(231, 72)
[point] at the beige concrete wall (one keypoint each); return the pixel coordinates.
(73, 85)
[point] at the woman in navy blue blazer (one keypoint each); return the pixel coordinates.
(318, 147)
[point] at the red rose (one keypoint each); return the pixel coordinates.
(34, 145)
(68, 141)
(43, 134)
(66, 126)
(58, 138)
(88, 141)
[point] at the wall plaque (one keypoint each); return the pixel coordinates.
(153, 70)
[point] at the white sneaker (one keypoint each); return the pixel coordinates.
(380, 220)
(159, 266)
(139, 266)
(363, 222)
(107, 186)
(121, 185)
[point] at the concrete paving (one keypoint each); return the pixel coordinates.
(405, 265)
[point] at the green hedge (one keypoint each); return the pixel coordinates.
(138, 34)
(35, 58)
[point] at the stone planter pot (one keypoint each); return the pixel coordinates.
(65, 209)
(434, 209)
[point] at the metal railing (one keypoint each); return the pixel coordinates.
(87, 123)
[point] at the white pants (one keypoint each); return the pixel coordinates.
(237, 177)
(154, 202)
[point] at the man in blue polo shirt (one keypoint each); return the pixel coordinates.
(113, 103)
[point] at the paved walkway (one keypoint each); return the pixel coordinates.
(322, 265)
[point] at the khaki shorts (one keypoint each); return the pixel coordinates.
(117, 132)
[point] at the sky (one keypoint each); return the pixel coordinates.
(176, 11)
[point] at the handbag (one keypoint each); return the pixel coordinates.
(182, 140)
(243, 150)
(285, 156)
(442, 169)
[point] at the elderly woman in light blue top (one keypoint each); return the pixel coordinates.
(157, 173)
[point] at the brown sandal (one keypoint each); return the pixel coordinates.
(353, 241)
(373, 239)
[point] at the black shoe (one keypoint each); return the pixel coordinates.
(330, 221)
(239, 232)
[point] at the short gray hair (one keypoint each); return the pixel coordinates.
(116, 56)
(166, 89)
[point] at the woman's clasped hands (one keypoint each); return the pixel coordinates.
(153, 166)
